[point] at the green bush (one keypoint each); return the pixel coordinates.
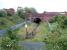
(57, 39)
(3, 13)
(21, 13)
(10, 41)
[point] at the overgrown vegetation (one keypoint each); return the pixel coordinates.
(10, 41)
(56, 39)
(3, 13)
(9, 21)
(8, 17)
(53, 33)
(54, 36)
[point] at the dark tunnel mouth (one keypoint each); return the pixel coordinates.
(37, 20)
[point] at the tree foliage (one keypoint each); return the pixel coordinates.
(3, 13)
(30, 10)
(22, 12)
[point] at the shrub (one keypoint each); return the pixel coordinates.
(21, 13)
(10, 41)
(57, 39)
(3, 13)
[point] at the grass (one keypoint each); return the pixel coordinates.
(22, 31)
(15, 19)
(9, 21)
(43, 34)
(41, 31)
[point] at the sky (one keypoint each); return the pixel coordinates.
(39, 5)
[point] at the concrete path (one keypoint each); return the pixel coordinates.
(3, 31)
(33, 45)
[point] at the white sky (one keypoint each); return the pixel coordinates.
(39, 5)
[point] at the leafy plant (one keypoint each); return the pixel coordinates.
(3, 13)
(21, 13)
(57, 39)
(10, 41)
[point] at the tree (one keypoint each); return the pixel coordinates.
(10, 11)
(33, 10)
(3, 13)
(30, 10)
(21, 12)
